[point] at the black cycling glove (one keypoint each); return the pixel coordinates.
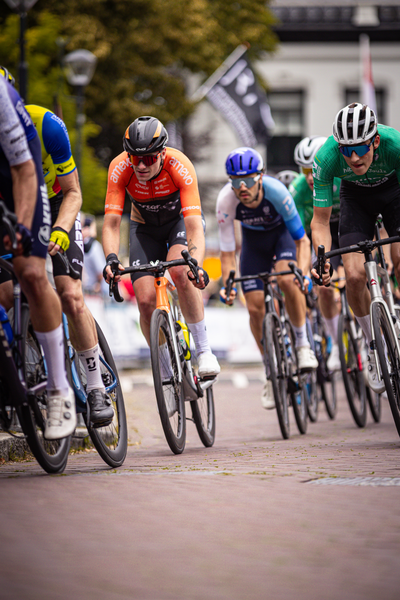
(317, 280)
(113, 262)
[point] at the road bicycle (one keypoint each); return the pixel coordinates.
(385, 325)
(23, 382)
(173, 358)
(279, 351)
(322, 345)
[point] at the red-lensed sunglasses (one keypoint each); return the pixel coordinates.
(147, 159)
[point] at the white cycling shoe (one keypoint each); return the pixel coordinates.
(208, 365)
(307, 359)
(267, 396)
(61, 415)
(333, 362)
(374, 383)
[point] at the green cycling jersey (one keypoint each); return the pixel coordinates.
(329, 163)
(303, 198)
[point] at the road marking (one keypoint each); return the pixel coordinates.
(371, 481)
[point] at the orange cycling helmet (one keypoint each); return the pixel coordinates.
(145, 136)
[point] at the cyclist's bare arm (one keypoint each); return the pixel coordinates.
(228, 264)
(196, 243)
(25, 185)
(321, 235)
(110, 239)
(303, 253)
(70, 206)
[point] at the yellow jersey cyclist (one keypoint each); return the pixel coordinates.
(366, 157)
(166, 218)
(301, 189)
(271, 227)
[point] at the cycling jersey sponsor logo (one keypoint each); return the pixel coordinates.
(289, 254)
(119, 169)
(185, 208)
(178, 166)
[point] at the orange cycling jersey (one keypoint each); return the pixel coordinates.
(158, 201)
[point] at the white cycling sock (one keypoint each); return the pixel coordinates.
(331, 327)
(91, 361)
(52, 343)
(365, 324)
(199, 333)
(300, 334)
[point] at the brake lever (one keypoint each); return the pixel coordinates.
(192, 264)
(229, 284)
(297, 272)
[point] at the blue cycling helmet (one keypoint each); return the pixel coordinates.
(244, 161)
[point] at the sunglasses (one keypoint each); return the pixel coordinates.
(147, 159)
(306, 170)
(359, 150)
(248, 182)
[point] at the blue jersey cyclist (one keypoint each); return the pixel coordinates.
(23, 190)
(271, 227)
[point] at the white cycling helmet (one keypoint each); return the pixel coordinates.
(305, 151)
(286, 177)
(354, 124)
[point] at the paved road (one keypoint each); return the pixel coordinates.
(254, 517)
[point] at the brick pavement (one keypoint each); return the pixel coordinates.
(242, 520)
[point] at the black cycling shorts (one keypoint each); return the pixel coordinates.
(259, 249)
(150, 242)
(359, 207)
(75, 252)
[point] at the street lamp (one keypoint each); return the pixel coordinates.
(22, 7)
(79, 70)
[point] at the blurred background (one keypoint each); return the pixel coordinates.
(282, 67)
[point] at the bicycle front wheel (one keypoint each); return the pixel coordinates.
(111, 441)
(274, 357)
(352, 371)
(374, 401)
(52, 455)
(203, 412)
(169, 392)
(389, 359)
(299, 392)
(326, 379)
(310, 381)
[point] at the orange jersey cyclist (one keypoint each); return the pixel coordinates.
(166, 218)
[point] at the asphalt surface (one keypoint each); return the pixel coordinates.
(313, 517)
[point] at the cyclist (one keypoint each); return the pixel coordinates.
(166, 217)
(271, 227)
(365, 155)
(23, 190)
(63, 189)
(301, 190)
(286, 177)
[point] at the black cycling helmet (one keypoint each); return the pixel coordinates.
(7, 75)
(145, 136)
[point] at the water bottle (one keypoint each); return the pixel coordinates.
(183, 336)
(6, 325)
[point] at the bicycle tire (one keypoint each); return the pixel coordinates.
(375, 405)
(353, 376)
(169, 392)
(299, 398)
(203, 413)
(384, 338)
(52, 455)
(274, 357)
(110, 441)
(326, 379)
(311, 382)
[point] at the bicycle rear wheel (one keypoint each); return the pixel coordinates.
(374, 401)
(389, 359)
(311, 382)
(352, 371)
(203, 412)
(274, 357)
(52, 455)
(110, 441)
(169, 392)
(326, 379)
(299, 396)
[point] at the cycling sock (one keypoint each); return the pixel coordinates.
(199, 333)
(365, 324)
(301, 336)
(52, 343)
(331, 327)
(91, 362)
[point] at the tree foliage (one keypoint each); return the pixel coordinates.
(146, 51)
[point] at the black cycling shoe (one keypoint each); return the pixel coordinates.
(101, 411)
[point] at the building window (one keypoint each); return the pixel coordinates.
(353, 95)
(287, 109)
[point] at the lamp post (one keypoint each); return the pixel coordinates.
(79, 66)
(22, 7)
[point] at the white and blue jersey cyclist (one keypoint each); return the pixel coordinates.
(271, 229)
